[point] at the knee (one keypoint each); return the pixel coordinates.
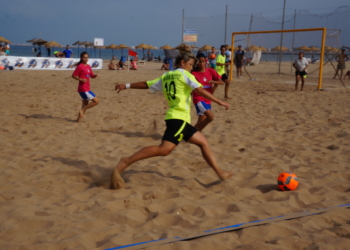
(97, 101)
(164, 151)
(210, 118)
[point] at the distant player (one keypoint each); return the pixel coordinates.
(83, 73)
(206, 77)
(221, 69)
(176, 86)
(341, 59)
(300, 66)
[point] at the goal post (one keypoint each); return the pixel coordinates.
(322, 49)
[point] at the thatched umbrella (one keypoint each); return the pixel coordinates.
(40, 42)
(142, 46)
(113, 47)
(253, 48)
(77, 43)
(151, 47)
(328, 48)
(304, 48)
(31, 40)
(313, 48)
(4, 40)
(166, 47)
(207, 48)
(122, 47)
(262, 48)
(278, 48)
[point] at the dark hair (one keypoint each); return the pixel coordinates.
(301, 53)
(81, 57)
(199, 55)
(223, 46)
(185, 54)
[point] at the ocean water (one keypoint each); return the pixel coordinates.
(106, 54)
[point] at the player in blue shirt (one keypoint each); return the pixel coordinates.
(67, 52)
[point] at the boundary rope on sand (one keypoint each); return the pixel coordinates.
(228, 228)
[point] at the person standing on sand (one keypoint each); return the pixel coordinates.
(238, 61)
(341, 59)
(300, 66)
(220, 68)
(176, 86)
(82, 73)
(207, 77)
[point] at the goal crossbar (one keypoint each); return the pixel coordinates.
(324, 32)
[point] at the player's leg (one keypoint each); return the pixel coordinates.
(91, 104)
(199, 140)
(81, 113)
(302, 82)
(163, 149)
(297, 78)
(204, 120)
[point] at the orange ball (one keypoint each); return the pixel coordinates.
(2, 67)
(287, 181)
(212, 56)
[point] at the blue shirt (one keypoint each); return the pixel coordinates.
(67, 52)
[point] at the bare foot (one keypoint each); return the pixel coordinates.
(227, 98)
(117, 181)
(80, 115)
(224, 175)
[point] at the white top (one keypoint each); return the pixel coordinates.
(301, 64)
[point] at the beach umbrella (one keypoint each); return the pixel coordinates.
(313, 48)
(77, 43)
(278, 48)
(4, 40)
(305, 48)
(142, 46)
(253, 47)
(40, 42)
(122, 47)
(113, 47)
(262, 48)
(151, 47)
(166, 47)
(31, 40)
(52, 44)
(206, 47)
(328, 48)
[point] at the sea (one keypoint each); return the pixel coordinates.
(107, 54)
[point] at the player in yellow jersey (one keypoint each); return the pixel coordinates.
(177, 86)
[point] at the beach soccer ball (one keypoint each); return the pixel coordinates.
(287, 181)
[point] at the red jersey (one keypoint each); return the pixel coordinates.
(204, 78)
(84, 72)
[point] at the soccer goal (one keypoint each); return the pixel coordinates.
(265, 58)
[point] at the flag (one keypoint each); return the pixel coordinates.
(132, 53)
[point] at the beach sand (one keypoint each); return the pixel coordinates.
(54, 172)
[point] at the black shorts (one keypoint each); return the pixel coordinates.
(239, 65)
(176, 130)
(300, 73)
(224, 77)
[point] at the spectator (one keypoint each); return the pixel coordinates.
(341, 59)
(238, 60)
(111, 65)
(300, 66)
(48, 52)
(166, 65)
(67, 52)
(212, 58)
(7, 49)
(133, 65)
(228, 59)
(39, 52)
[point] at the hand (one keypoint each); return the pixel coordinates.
(83, 80)
(94, 76)
(225, 104)
(119, 87)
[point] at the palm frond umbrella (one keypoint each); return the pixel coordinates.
(122, 47)
(31, 40)
(52, 44)
(278, 48)
(328, 48)
(313, 48)
(4, 40)
(262, 48)
(304, 48)
(151, 47)
(253, 48)
(40, 42)
(166, 47)
(207, 48)
(142, 46)
(113, 47)
(77, 43)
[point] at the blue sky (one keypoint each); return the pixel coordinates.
(156, 22)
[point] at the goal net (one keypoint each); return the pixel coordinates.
(266, 59)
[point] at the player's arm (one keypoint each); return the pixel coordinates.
(136, 85)
(209, 96)
(219, 82)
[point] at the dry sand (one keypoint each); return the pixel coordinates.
(55, 172)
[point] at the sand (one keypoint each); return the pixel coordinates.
(54, 172)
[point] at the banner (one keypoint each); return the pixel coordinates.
(190, 36)
(46, 63)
